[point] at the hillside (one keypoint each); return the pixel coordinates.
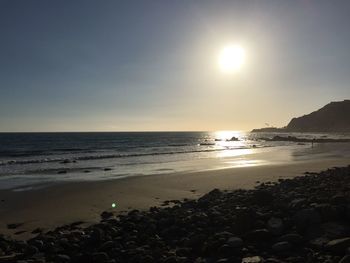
(334, 117)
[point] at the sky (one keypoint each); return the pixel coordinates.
(152, 65)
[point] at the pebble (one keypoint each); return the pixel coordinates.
(100, 257)
(275, 226)
(281, 246)
(345, 259)
(338, 245)
(304, 219)
(235, 242)
(255, 259)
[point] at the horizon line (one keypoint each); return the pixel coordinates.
(138, 131)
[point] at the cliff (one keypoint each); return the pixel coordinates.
(334, 117)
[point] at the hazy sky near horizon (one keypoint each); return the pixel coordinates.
(152, 65)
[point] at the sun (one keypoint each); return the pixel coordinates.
(231, 58)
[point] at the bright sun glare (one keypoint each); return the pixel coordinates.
(231, 58)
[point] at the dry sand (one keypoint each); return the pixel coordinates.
(65, 203)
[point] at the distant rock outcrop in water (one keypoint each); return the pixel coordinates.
(334, 117)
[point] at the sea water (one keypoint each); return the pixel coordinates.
(28, 159)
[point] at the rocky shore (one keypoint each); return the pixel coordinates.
(278, 138)
(305, 219)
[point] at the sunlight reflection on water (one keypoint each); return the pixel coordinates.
(245, 163)
(237, 152)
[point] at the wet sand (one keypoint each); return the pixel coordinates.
(65, 203)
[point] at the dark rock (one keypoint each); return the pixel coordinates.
(206, 230)
(60, 258)
(31, 250)
(263, 197)
(327, 212)
(275, 226)
(39, 244)
(8, 258)
(107, 246)
(339, 199)
(37, 231)
(295, 239)
(345, 259)
(307, 217)
(334, 230)
(319, 242)
(106, 215)
(20, 232)
(171, 259)
(255, 259)
(259, 235)
(281, 246)
(235, 242)
(298, 203)
(100, 257)
(338, 245)
(14, 225)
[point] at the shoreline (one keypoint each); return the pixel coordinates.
(65, 203)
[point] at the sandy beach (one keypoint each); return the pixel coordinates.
(65, 203)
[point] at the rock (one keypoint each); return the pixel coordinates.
(171, 259)
(39, 244)
(345, 259)
(307, 217)
(259, 235)
(274, 260)
(106, 246)
(106, 215)
(100, 257)
(61, 258)
(210, 229)
(255, 259)
(183, 252)
(235, 242)
(298, 203)
(281, 246)
(327, 212)
(339, 199)
(225, 250)
(263, 197)
(295, 239)
(319, 242)
(14, 225)
(8, 258)
(37, 231)
(338, 245)
(20, 232)
(196, 241)
(334, 230)
(275, 225)
(31, 250)
(224, 234)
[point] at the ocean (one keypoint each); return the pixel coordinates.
(37, 159)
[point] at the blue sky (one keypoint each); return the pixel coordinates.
(151, 65)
